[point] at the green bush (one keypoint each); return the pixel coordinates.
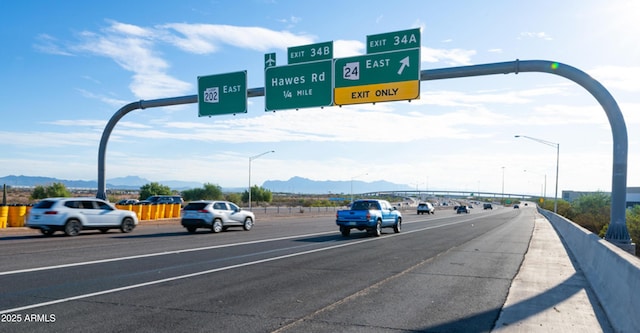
(593, 212)
(208, 192)
(633, 224)
(153, 188)
(52, 191)
(258, 194)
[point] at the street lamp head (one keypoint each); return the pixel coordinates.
(516, 136)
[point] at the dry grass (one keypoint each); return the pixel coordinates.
(18, 196)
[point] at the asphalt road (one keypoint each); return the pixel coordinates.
(442, 273)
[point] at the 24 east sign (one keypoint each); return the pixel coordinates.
(378, 77)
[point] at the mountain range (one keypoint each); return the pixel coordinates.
(123, 183)
(293, 185)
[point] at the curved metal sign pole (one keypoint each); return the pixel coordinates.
(617, 232)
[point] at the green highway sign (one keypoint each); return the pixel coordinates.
(393, 41)
(308, 53)
(396, 66)
(297, 86)
(378, 77)
(222, 94)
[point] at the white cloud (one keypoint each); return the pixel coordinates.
(618, 77)
(105, 99)
(134, 49)
(204, 38)
(152, 85)
(49, 44)
(535, 35)
(449, 56)
(50, 139)
(129, 29)
(470, 99)
(347, 48)
(631, 114)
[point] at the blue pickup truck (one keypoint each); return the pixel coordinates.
(370, 215)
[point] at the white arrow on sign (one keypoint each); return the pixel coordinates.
(405, 63)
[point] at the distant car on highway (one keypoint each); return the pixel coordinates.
(425, 207)
(73, 215)
(127, 202)
(487, 206)
(164, 199)
(516, 206)
(215, 215)
(462, 209)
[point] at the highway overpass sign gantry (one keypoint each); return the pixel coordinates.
(358, 80)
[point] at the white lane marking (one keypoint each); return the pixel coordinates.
(101, 261)
(149, 283)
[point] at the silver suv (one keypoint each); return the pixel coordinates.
(73, 215)
(215, 215)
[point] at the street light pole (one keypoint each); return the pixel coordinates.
(251, 159)
(557, 146)
(502, 185)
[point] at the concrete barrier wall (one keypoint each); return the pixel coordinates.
(613, 273)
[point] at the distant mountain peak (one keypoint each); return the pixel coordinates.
(304, 185)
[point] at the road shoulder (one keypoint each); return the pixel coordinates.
(549, 294)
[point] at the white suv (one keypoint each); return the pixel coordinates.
(72, 215)
(216, 216)
(425, 207)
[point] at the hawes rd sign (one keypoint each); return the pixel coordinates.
(305, 82)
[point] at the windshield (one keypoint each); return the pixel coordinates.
(365, 205)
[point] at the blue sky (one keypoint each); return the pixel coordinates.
(68, 66)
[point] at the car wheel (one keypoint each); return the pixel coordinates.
(72, 228)
(377, 231)
(47, 232)
(248, 224)
(191, 229)
(345, 231)
(127, 225)
(216, 226)
(398, 226)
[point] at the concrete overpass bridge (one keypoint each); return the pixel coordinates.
(451, 194)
